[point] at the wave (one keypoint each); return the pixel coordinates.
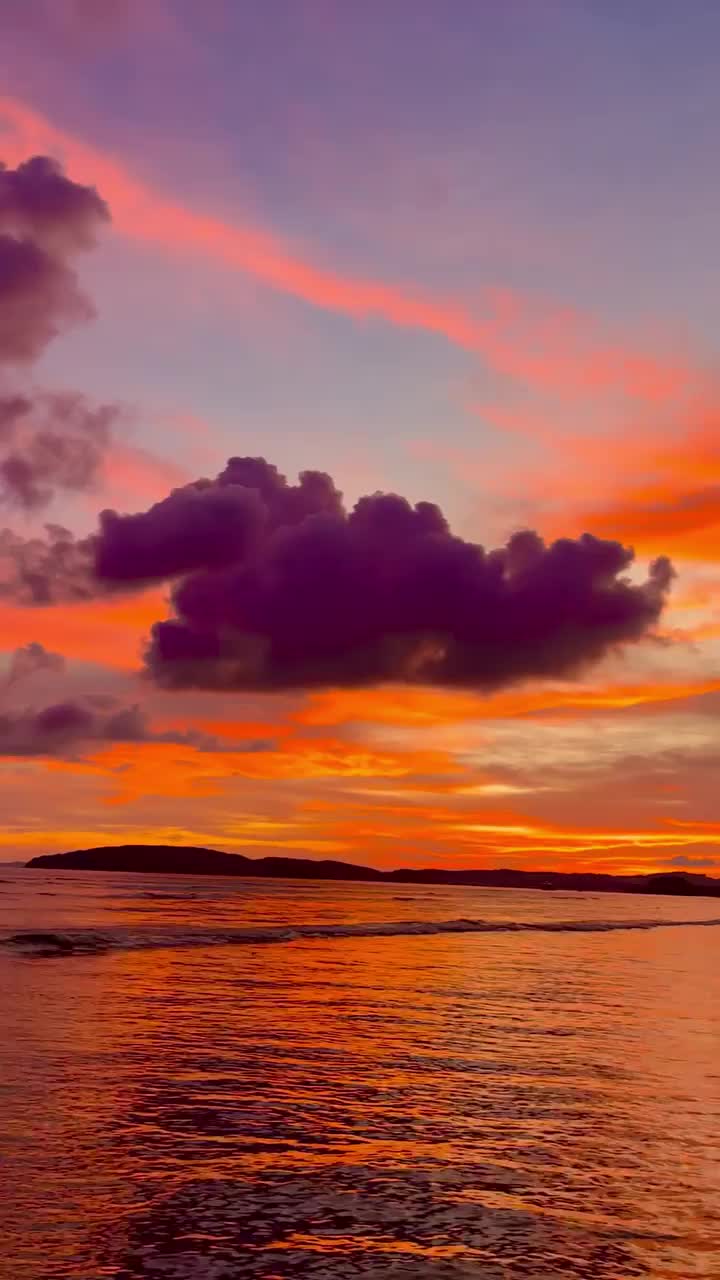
(170, 897)
(94, 941)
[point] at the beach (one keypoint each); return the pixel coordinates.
(197, 1085)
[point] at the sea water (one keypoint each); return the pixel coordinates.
(210, 1078)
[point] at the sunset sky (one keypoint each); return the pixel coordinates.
(471, 262)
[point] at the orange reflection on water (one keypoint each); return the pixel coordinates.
(524, 1100)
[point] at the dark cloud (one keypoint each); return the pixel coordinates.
(56, 441)
(53, 730)
(210, 524)
(194, 527)
(39, 298)
(32, 657)
(47, 441)
(284, 503)
(39, 203)
(278, 587)
(45, 218)
(64, 728)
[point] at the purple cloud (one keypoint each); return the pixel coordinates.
(39, 203)
(198, 526)
(64, 728)
(47, 570)
(210, 523)
(48, 441)
(299, 592)
(39, 297)
(55, 441)
(44, 219)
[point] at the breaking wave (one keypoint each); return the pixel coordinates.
(94, 941)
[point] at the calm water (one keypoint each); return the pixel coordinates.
(216, 1079)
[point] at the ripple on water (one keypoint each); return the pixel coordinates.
(527, 1105)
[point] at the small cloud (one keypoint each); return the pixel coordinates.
(63, 728)
(684, 860)
(29, 659)
(56, 441)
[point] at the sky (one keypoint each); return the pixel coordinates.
(458, 254)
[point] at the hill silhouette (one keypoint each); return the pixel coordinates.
(191, 861)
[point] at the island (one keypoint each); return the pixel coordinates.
(187, 860)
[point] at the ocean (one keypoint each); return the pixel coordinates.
(215, 1078)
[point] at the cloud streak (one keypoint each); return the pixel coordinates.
(550, 347)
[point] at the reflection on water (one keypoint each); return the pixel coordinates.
(460, 1105)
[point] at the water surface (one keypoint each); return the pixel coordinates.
(207, 1079)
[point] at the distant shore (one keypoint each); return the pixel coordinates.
(191, 861)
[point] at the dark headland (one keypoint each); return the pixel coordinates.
(189, 861)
